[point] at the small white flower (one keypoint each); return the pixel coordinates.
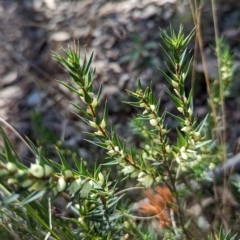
(12, 180)
(158, 179)
(103, 124)
(180, 109)
(75, 186)
(146, 181)
(158, 119)
(175, 84)
(81, 91)
(61, 185)
(20, 173)
(185, 100)
(68, 173)
(147, 147)
(93, 124)
(91, 94)
(184, 155)
(163, 131)
(196, 135)
(187, 122)
(101, 177)
(152, 107)
(145, 112)
(135, 174)
(99, 133)
(151, 116)
(178, 160)
(111, 152)
(141, 174)
(89, 111)
(108, 142)
(186, 129)
(94, 103)
(47, 170)
(37, 186)
(87, 187)
(119, 159)
(36, 170)
(122, 164)
(168, 149)
(211, 166)
(190, 111)
(182, 149)
(27, 183)
(77, 206)
(83, 99)
(191, 142)
(116, 148)
(122, 153)
(176, 91)
(143, 105)
(11, 167)
(128, 169)
(153, 122)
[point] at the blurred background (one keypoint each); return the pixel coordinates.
(125, 38)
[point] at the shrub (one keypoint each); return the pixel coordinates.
(171, 170)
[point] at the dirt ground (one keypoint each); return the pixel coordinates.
(124, 36)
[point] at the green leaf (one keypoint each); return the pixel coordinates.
(203, 144)
(72, 89)
(180, 120)
(99, 92)
(79, 108)
(201, 125)
(86, 72)
(181, 140)
(177, 102)
(105, 114)
(98, 144)
(12, 198)
(34, 196)
(34, 214)
(65, 164)
(87, 98)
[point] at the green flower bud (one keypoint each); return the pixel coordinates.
(27, 183)
(175, 84)
(93, 124)
(68, 173)
(94, 103)
(11, 167)
(180, 109)
(103, 124)
(87, 187)
(61, 185)
(152, 107)
(36, 170)
(75, 186)
(153, 122)
(12, 180)
(47, 170)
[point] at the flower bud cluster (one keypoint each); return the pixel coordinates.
(188, 158)
(145, 179)
(38, 177)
